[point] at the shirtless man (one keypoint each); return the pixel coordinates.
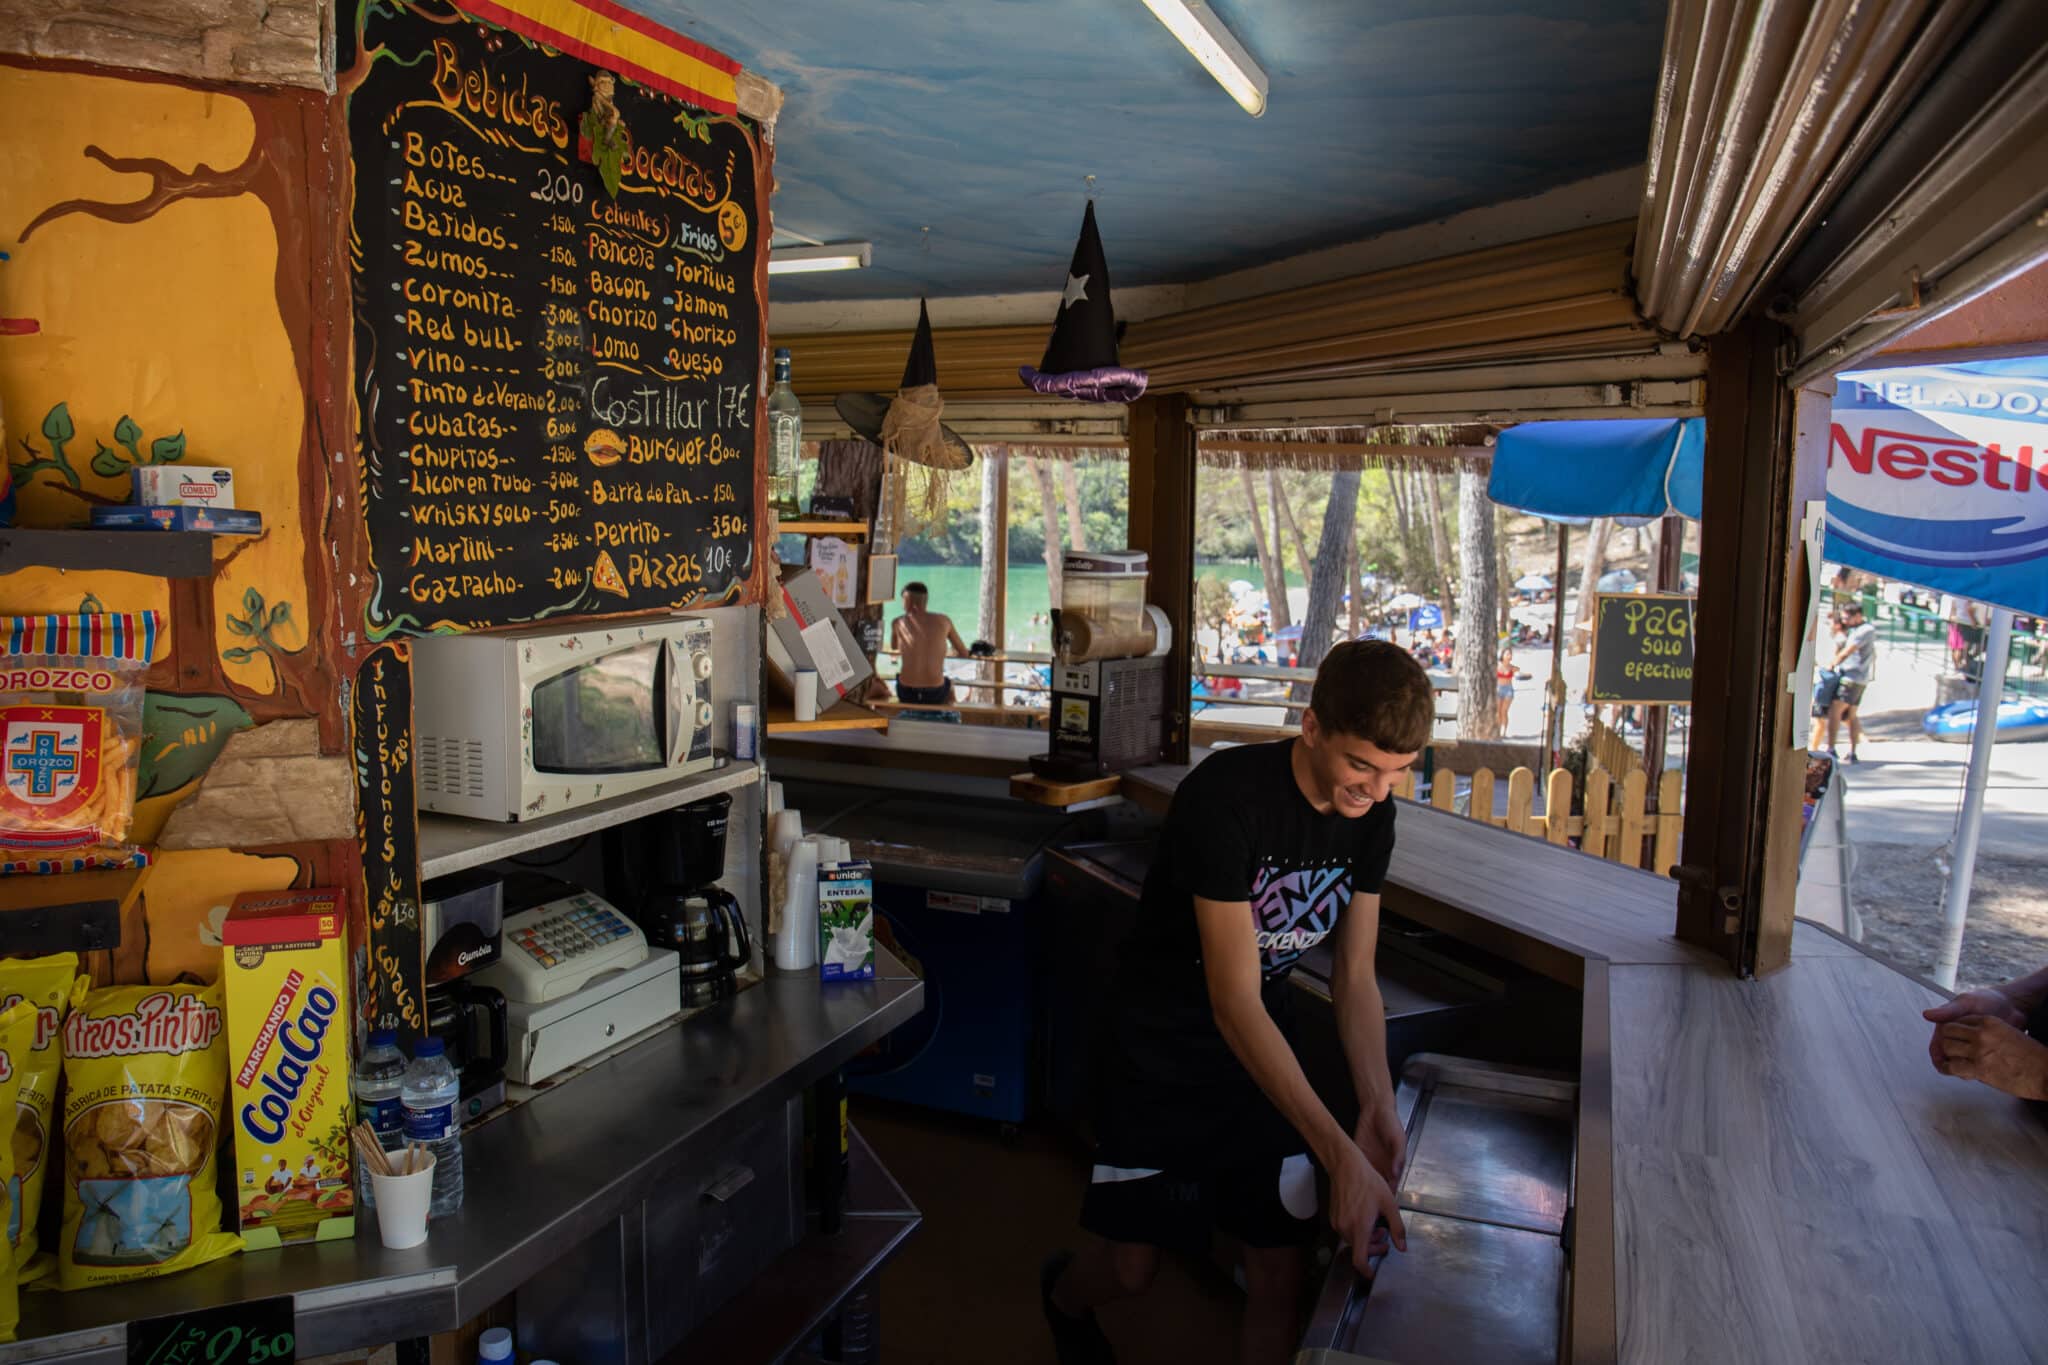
(924, 638)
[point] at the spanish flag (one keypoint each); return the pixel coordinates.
(609, 35)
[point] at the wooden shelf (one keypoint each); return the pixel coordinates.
(1046, 791)
(843, 715)
(66, 912)
(161, 554)
(450, 843)
(845, 530)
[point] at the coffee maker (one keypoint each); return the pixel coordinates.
(463, 918)
(663, 872)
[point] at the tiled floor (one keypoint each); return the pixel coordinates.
(964, 1291)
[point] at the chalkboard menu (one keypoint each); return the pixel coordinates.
(258, 1332)
(388, 836)
(558, 390)
(1642, 649)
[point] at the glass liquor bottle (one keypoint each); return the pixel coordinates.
(786, 431)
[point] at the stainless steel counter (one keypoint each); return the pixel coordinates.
(539, 1179)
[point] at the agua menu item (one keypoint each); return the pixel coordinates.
(71, 727)
(49, 987)
(17, 1030)
(283, 970)
(144, 1071)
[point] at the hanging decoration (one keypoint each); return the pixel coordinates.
(604, 127)
(1080, 361)
(908, 429)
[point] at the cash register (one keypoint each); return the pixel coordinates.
(578, 978)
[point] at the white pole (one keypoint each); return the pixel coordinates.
(1970, 819)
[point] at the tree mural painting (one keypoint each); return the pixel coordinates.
(211, 362)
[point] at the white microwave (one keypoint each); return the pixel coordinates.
(531, 723)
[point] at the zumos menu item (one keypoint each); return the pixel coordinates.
(558, 392)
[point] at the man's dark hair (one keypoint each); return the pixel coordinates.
(1375, 691)
(920, 589)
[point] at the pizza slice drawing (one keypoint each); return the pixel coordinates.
(604, 575)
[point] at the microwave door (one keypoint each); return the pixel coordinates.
(680, 714)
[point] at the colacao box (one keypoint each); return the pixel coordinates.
(180, 485)
(128, 516)
(846, 921)
(284, 969)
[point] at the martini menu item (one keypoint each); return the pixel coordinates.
(558, 390)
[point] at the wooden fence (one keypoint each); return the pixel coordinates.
(1618, 825)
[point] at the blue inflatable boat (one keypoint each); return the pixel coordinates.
(2018, 721)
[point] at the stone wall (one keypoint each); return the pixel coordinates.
(272, 42)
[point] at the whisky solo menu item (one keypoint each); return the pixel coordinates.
(558, 393)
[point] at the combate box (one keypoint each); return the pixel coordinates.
(181, 485)
(846, 921)
(284, 963)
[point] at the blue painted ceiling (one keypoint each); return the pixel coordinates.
(980, 118)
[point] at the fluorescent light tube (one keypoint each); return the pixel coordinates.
(1216, 48)
(802, 260)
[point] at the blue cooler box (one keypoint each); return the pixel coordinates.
(957, 896)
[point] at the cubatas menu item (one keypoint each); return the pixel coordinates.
(558, 390)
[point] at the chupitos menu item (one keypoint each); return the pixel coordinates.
(558, 391)
(283, 965)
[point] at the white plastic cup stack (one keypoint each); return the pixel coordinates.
(797, 949)
(789, 829)
(807, 694)
(402, 1199)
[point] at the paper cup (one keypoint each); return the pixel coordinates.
(806, 694)
(402, 1204)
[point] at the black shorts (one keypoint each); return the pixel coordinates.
(1268, 1202)
(925, 696)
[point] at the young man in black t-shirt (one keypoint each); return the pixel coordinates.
(1207, 1120)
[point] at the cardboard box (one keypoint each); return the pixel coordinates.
(182, 485)
(846, 921)
(284, 974)
(128, 516)
(811, 634)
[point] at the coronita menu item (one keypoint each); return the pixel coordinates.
(283, 965)
(144, 1071)
(49, 986)
(17, 1032)
(71, 727)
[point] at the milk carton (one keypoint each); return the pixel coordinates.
(284, 971)
(846, 921)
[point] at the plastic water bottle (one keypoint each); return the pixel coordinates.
(432, 1095)
(378, 1073)
(495, 1347)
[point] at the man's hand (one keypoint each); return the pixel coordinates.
(1981, 1048)
(1991, 1004)
(1385, 1143)
(1359, 1198)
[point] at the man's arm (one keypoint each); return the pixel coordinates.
(1230, 965)
(1362, 1025)
(953, 639)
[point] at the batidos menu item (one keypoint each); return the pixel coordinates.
(145, 1068)
(17, 1036)
(71, 727)
(284, 969)
(559, 390)
(49, 986)
(431, 1094)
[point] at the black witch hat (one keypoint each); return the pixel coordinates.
(1080, 360)
(908, 424)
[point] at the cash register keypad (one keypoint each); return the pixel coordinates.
(577, 927)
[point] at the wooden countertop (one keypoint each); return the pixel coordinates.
(1785, 1177)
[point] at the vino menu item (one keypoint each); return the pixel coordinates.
(558, 391)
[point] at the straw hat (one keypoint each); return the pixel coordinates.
(908, 425)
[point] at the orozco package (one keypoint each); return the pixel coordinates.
(49, 986)
(70, 728)
(17, 1027)
(144, 1071)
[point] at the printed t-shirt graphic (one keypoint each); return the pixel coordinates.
(1296, 910)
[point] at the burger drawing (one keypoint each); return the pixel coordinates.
(604, 447)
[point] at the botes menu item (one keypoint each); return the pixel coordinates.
(283, 968)
(144, 1071)
(50, 986)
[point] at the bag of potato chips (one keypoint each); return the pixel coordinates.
(50, 986)
(70, 728)
(145, 1068)
(17, 1028)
